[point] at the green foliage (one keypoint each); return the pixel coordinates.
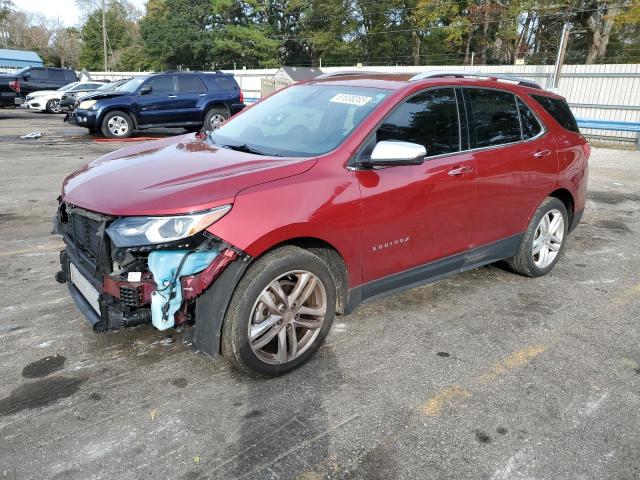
(121, 34)
(206, 34)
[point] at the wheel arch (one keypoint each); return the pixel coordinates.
(217, 297)
(121, 108)
(331, 257)
(567, 199)
(214, 104)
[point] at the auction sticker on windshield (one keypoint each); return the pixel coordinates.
(350, 99)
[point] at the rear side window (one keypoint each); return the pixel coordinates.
(190, 83)
(559, 110)
(495, 119)
(429, 118)
(225, 83)
(57, 75)
(530, 125)
(163, 84)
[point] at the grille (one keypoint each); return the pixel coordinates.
(84, 233)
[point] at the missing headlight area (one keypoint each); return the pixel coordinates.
(117, 286)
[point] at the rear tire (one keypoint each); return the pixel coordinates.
(215, 117)
(53, 106)
(117, 124)
(280, 312)
(543, 241)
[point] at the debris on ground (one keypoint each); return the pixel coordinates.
(32, 136)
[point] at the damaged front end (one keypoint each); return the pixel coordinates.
(121, 273)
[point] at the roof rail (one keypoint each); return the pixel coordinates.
(489, 76)
(345, 73)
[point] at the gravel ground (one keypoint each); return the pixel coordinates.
(484, 375)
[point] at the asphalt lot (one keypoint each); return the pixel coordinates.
(484, 375)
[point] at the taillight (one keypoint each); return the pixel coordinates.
(15, 86)
(241, 97)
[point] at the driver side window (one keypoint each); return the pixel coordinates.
(429, 118)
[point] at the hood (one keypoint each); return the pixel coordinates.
(97, 95)
(171, 176)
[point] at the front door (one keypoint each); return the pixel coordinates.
(415, 218)
(160, 106)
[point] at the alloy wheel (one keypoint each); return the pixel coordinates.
(55, 106)
(548, 238)
(118, 126)
(287, 317)
(216, 121)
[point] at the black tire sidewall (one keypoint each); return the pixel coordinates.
(548, 204)
(48, 106)
(105, 120)
(239, 312)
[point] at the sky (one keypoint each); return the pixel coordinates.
(64, 10)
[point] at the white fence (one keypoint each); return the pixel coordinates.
(599, 92)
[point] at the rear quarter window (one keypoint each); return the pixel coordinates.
(217, 82)
(559, 110)
(57, 75)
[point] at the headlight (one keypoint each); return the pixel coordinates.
(87, 104)
(137, 231)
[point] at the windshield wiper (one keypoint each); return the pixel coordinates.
(247, 149)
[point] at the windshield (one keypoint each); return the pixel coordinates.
(133, 84)
(67, 86)
(303, 120)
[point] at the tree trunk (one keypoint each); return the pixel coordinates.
(467, 49)
(599, 24)
(416, 47)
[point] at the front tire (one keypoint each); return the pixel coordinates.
(53, 106)
(117, 124)
(543, 241)
(280, 312)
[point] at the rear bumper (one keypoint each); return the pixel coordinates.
(7, 99)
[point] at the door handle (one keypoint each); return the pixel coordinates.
(460, 171)
(173, 96)
(542, 153)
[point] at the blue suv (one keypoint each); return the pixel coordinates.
(191, 100)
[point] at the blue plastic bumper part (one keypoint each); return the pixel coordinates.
(164, 265)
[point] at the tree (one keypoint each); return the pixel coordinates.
(121, 34)
(178, 33)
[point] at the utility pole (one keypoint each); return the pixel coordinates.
(104, 33)
(562, 50)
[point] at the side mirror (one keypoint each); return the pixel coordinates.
(391, 153)
(26, 76)
(147, 89)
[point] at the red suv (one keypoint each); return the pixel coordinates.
(325, 195)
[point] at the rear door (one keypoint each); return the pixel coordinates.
(191, 92)
(415, 215)
(160, 106)
(516, 159)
